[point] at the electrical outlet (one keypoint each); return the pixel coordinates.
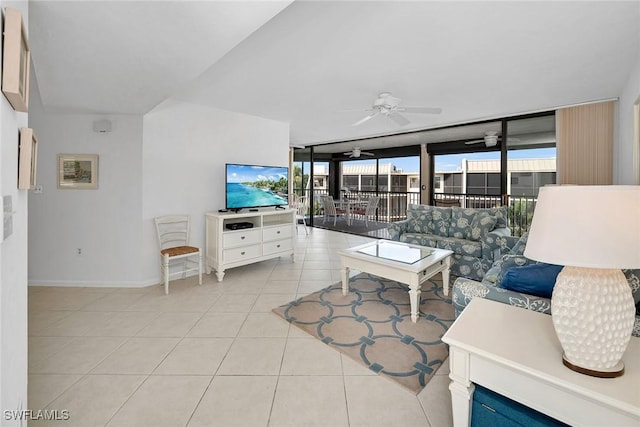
(79, 251)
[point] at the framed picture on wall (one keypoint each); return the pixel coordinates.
(15, 61)
(78, 171)
(28, 159)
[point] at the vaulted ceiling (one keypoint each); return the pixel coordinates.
(319, 65)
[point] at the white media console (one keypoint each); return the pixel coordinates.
(271, 236)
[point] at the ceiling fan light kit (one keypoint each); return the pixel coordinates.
(388, 106)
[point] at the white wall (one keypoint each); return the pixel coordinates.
(169, 161)
(13, 261)
(185, 149)
(623, 165)
(104, 223)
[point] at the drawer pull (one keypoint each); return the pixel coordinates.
(242, 253)
(242, 237)
(278, 232)
(277, 246)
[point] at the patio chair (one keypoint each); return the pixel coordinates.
(300, 204)
(330, 209)
(369, 210)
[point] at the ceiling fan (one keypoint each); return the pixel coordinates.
(355, 153)
(490, 139)
(388, 105)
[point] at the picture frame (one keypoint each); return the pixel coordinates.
(636, 142)
(78, 171)
(16, 61)
(28, 159)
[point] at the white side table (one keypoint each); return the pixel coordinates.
(515, 352)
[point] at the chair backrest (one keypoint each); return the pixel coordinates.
(293, 200)
(301, 205)
(329, 205)
(372, 205)
(172, 230)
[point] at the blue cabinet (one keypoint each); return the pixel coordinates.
(490, 409)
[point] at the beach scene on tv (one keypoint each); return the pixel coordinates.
(255, 186)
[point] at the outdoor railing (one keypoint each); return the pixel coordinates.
(393, 205)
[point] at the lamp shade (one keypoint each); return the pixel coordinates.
(586, 226)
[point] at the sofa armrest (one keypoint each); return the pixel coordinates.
(464, 290)
(496, 243)
(396, 229)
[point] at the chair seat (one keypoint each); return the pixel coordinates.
(179, 250)
(341, 211)
(360, 211)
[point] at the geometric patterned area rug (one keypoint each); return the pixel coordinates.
(372, 325)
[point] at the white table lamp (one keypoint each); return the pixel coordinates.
(593, 231)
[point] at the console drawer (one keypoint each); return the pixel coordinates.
(276, 246)
(242, 253)
(274, 233)
(240, 237)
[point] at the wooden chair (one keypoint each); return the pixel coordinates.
(369, 210)
(330, 209)
(173, 238)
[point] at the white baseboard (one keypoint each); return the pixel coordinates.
(95, 284)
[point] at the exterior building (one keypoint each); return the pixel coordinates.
(482, 177)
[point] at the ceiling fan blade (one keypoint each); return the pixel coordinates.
(477, 141)
(366, 153)
(426, 110)
(398, 119)
(369, 117)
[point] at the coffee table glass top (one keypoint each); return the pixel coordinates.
(396, 252)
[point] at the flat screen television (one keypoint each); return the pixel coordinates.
(254, 186)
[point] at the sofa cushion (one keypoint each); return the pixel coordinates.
(501, 215)
(420, 239)
(518, 248)
(441, 219)
(419, 219)
(460, 223)
(461, 246)
(481, 225)
(633, 278)
(534, 279)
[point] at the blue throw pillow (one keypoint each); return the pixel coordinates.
(535, 279)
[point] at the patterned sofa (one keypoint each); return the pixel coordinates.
(512, 249)
(469, 232)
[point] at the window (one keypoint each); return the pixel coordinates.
(414, 182)
(399, 183)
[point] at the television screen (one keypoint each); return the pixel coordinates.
(250, 186)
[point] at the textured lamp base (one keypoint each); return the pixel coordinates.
(593, 313)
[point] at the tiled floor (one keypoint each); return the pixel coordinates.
(211, 355)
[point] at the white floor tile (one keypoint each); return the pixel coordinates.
(212, 355)
(236, 401)
(309, 401)
(370, 397)
(195, 356)
(253, 356)
(162, 401)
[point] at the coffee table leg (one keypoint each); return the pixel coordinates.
(345, 279)
(445, 276)
(414, 298)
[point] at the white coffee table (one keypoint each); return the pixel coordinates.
(402, 262)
